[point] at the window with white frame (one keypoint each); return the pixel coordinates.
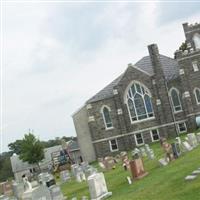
(195, 66)
(175, 99)
(106, 117)
(113, 145)
(182, 127)
(139, 139)
(196, 40)
(155, 135)
(197, 95)
(139, 103)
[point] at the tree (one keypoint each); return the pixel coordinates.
(31, 150)
(15, 147)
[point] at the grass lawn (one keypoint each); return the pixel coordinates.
(162, 183)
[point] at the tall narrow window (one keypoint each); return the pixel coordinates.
(139, 139)
(155, 135)
(195, 66)
(175, 100)
(113, 145)
(196, 39)
(197, 95)
(106, 117)
(138, 100)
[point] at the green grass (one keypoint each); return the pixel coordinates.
(162, 183)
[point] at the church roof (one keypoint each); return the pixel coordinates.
(170, 68)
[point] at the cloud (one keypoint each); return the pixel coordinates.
(59, 55)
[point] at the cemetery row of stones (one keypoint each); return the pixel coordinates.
(45, 188)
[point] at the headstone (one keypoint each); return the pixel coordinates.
(84, 166)
(97, 187)
(109, 163)
(196, 172)
(123, 155)
(178, 140)
(198, 137)
(163, 162)
(65, 176)
(41, 193)
(143, 152)
(129, 180)
(190, 177)
(187, 146)
(192, 140)
(18, 189)
(56, 193)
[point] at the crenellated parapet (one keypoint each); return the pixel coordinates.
(190, 27)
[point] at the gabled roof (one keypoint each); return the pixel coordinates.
(170, 68)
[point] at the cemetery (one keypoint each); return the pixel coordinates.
(168, 169)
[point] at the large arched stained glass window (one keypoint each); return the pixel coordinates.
(197, 95)
(139, 102)
(175, 100)
(106, 117)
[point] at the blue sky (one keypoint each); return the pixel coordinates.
(58, 55)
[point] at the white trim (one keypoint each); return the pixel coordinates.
(194, 91)
(179, 127)
(139, 131)
(136, 142)
(111, 146)
(143, 120)
(104, 120)
(170, 91)
(152, 135)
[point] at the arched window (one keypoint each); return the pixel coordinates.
(106, 117)
(197, 95)
(196, 40)
(174, 94)
(138, 100)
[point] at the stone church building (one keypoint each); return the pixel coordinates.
(156, 97)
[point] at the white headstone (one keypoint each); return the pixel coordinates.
(56, 193)
(187, 146)
(97, 186)
(192, 140)
(163, 162)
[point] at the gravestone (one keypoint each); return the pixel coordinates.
(41, 193)
(163, 162)
(190, 177)
(84, 166)
(129, 180)
(65, 176)
(97, 187)
(187, 146)
(56, 193)
(109, 163)
(192, 140)
(198, 137)
(143, 152)
(137, 166)
(18, 189)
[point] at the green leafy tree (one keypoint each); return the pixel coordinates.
(15, 147)
(31, 150)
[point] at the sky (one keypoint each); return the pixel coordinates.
(56, 55)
